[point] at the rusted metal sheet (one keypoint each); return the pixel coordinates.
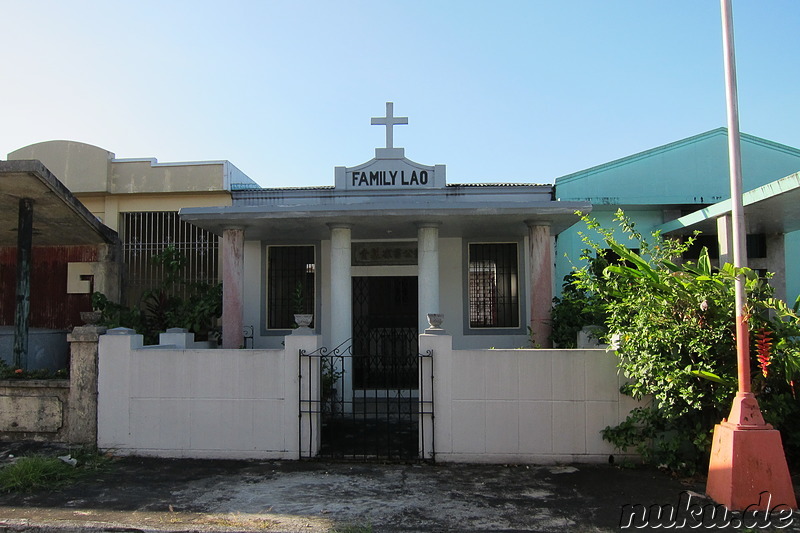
(50, 305)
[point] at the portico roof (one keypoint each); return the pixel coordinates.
(58, 217)
(772, 208)
(394, 218)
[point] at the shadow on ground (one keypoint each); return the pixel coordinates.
(145, 494)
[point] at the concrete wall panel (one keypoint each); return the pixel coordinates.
(524, 405)
(199, 403)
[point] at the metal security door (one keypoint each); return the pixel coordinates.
(380, 419)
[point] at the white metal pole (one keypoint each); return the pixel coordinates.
(737, 209)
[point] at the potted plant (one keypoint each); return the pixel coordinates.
(330, 377)
(301, 318)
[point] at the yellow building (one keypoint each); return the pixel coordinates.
(140, 198)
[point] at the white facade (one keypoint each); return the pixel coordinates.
(393, 218)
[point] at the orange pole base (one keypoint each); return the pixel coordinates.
(748, 469)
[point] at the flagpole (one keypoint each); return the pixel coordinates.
(737, 209)
(747, 457)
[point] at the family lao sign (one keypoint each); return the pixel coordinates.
(390, 169)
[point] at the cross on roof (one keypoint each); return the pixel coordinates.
(389, 121)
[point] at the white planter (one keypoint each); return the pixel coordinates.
(303, 320)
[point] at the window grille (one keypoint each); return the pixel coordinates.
(148, 233)
(756, 245)
(493, 286)
(290, 284)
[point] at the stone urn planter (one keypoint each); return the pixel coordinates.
(303, 320)
(435, 320)
(91, 318)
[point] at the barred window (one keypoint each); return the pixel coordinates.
(145, 234)
(493, 286)
(290, 284)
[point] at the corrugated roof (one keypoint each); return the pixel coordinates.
(499, 184)
(255, 187)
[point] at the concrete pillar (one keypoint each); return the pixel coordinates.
(428, 271)
(775, 262)
(111, 212)
(541, 284)
(82, 414)
(232, 288)
(107, 272)
(114, 387)
(180, 338)
(23, 292)
(725, 239)
(342, 299)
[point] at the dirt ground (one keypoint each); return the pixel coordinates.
(145, 494)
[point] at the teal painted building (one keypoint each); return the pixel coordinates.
(681, 186)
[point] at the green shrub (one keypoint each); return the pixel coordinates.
(675, 323)
(175, 303)
(572, 311)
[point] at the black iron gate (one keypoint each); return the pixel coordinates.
(372, 397)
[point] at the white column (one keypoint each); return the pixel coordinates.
(341, 306)
(232, 287)
(541, 284)
(428, 271)
(725, 239)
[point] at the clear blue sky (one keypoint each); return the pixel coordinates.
(505, 91)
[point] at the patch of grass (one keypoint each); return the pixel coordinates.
(38, 472)
(352, 528)
(90, 460)
(33, 473)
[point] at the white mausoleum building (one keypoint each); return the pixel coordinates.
(385, 246)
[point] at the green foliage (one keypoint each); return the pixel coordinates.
(331, 373)
(32, 473)
(36, 472)
(299, 298)
(575, 309)
(13, 372)
(776, 391)
(675, 324)
(532, 342)
(114, 315)
(175, 303)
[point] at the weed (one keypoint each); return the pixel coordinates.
(38, 472)
(32, 473)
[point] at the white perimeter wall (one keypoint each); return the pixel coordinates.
(491, 406)
(202, 403)
(523, 406)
